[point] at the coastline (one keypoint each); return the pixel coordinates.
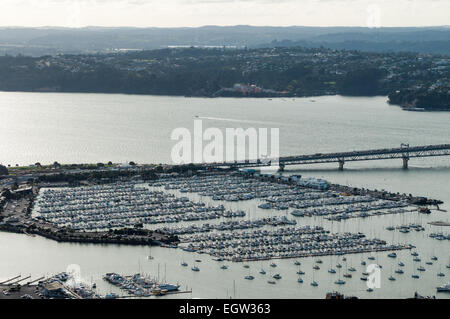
(21, 221)
(404, 107)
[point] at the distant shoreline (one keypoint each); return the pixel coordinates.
(408, 108)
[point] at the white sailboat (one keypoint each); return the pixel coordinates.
(150, 257)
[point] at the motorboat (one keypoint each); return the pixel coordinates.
(444, 288)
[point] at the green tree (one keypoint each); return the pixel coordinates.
(359, 82)
(3, 170)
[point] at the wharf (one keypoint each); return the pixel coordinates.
(439, 223)
(21, 292)
(305, 255)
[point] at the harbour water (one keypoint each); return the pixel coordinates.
(91, 128)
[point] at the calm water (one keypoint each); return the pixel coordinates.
(94, 128)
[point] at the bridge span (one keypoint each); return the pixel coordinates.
(404, 152)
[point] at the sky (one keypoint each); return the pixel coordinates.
(193, 13)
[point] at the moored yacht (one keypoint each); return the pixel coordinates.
(444, 288)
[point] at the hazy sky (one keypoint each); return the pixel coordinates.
(175, 13)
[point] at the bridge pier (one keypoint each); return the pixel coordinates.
(405, 162)
(341, 165)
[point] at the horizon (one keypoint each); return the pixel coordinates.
(220, 26)
(198, 13)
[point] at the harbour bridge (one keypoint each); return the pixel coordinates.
(404, 152)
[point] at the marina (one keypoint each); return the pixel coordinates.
(139, 285)
(119, 205)
(114, 206)
(209, 214)
(287, 207)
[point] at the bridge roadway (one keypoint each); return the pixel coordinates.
(404, 152)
